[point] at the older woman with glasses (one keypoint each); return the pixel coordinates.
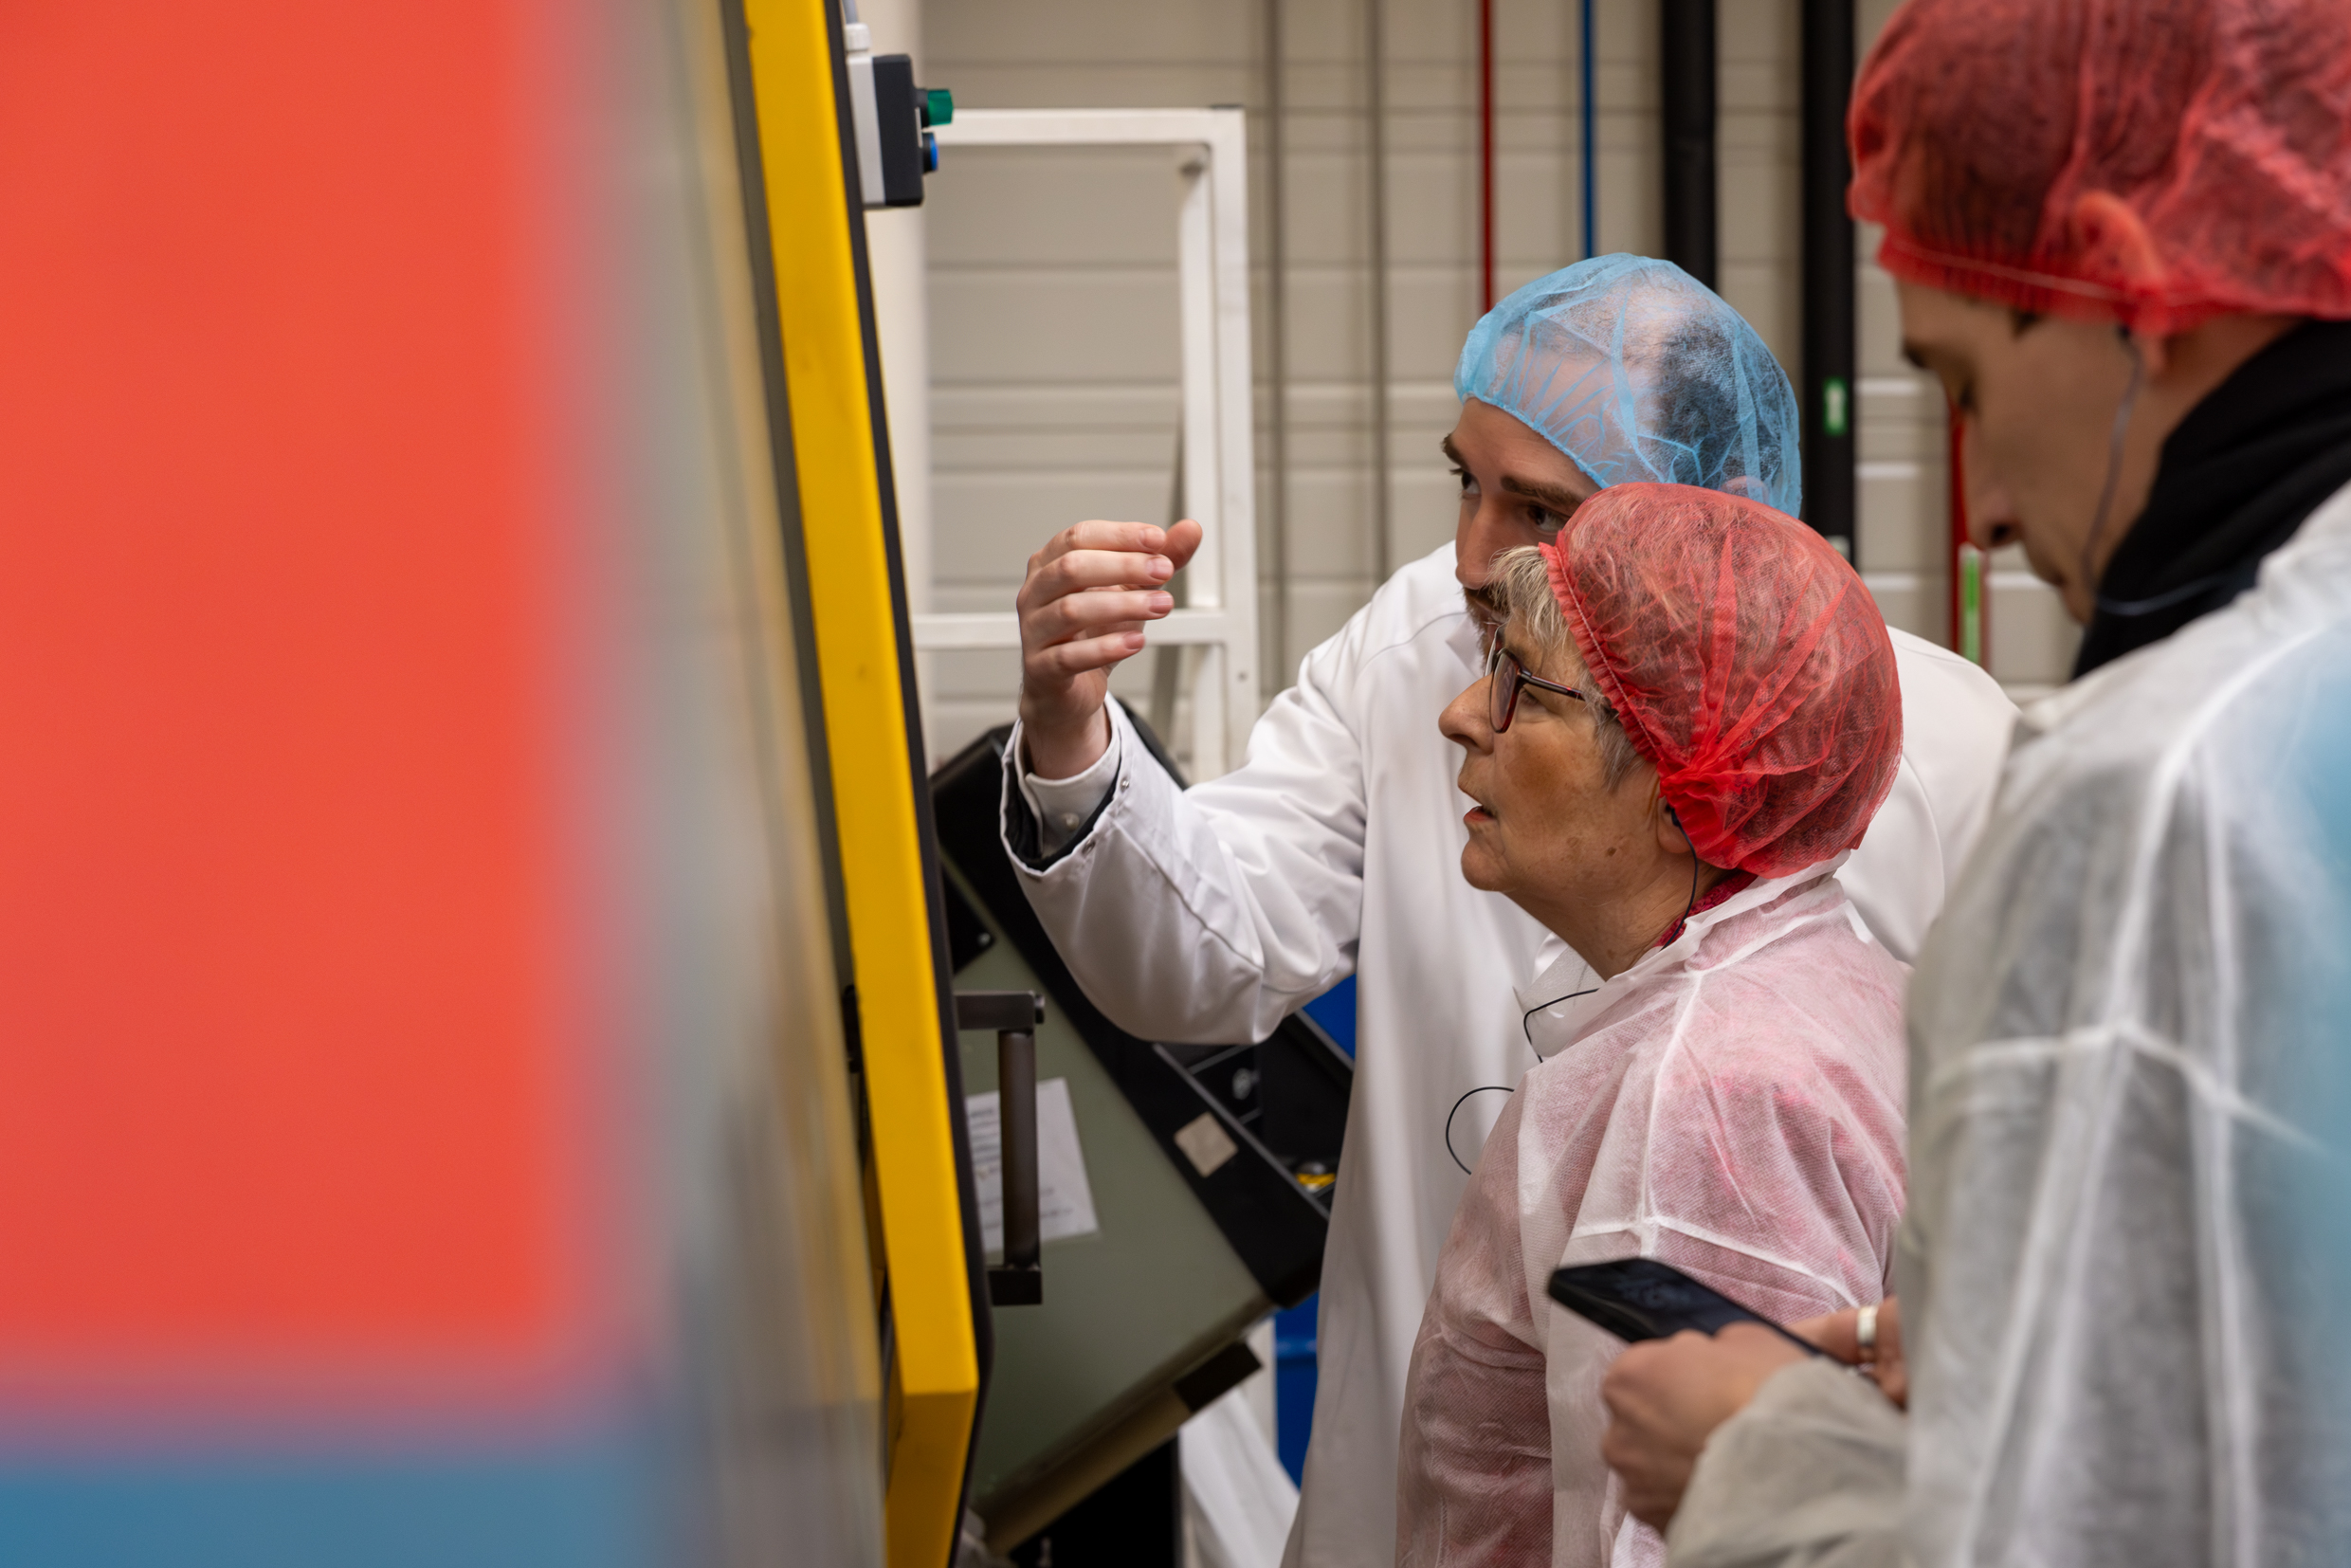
(1689, 715)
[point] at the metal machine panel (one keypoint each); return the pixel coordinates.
(1154, 1293)
(1140, 1324)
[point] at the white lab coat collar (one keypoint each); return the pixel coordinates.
(1565, 992)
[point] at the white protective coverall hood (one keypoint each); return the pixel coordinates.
(2133, 1042)
(1210, 914)
(2125, 1262)
(1732, 1104)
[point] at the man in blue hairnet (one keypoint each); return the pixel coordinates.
(1210, 914)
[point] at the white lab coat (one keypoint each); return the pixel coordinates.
(1212, 914)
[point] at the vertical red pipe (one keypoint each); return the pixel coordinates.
(1485, 155)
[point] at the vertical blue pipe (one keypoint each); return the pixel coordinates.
(1294, 1364)
(1294, 1378)
(1591, 226)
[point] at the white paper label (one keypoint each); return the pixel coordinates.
(1064, 1202)
(1206, 1143)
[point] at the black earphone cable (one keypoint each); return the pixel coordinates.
(2114, 457)
(1526, 1019)
(1689, 908)
(1483, 1088)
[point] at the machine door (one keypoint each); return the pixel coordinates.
(1186, 1193)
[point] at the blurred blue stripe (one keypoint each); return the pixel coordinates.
(581, 1503)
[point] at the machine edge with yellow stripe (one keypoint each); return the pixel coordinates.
(1114, 1360)
(847, 551)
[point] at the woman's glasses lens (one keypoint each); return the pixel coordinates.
(1502, 675)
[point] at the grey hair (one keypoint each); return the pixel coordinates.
(1520, 591)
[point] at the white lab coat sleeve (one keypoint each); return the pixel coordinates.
(1809, 1476)
(1958, 725)
(1064, 805)
(1955, 729)
(1212, 914)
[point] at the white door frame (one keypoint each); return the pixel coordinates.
(1220, 468)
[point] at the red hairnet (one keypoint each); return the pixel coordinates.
(1746, 662)
(1979, 126)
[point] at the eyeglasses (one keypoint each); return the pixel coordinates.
(1505, 679)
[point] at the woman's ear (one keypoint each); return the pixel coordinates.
(1671, 839)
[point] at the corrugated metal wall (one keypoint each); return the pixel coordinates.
(1053, 289)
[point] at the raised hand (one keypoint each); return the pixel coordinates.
(1082, 608)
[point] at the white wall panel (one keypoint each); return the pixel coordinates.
(1052, 282)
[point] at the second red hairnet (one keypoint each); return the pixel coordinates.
(1997, 139)
(1746, 662)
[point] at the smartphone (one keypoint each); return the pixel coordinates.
(1639, 1299)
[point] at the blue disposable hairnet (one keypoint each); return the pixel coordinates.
(1638, 372)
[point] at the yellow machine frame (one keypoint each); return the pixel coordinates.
(855, 605)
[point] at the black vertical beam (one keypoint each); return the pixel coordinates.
(1686, 65)
(1828, 331)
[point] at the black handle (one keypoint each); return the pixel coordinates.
(1016, 1084)
(1019, 1281)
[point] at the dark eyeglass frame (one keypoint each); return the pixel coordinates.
(1505, 679)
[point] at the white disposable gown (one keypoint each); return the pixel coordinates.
(1212, 913)
(2126, 1261)
(1731, 1104)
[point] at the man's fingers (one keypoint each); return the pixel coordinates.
(1889, 1328)
(1752, 1352)
(1891, 1371)
(1084, 570)
(1654, 1508)
(1093, 613)
(1641, 1443)
(1142, 539)
(1838, 1332)
(1182, 542)
(1626, 1377)
(1621, 1447)
(1639, 1384)
(1063, 659)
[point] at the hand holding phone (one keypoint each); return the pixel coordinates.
(1638, 1299)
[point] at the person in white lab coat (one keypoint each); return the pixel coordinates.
(1211, 914)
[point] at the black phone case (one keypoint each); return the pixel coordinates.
(1638, 1299)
